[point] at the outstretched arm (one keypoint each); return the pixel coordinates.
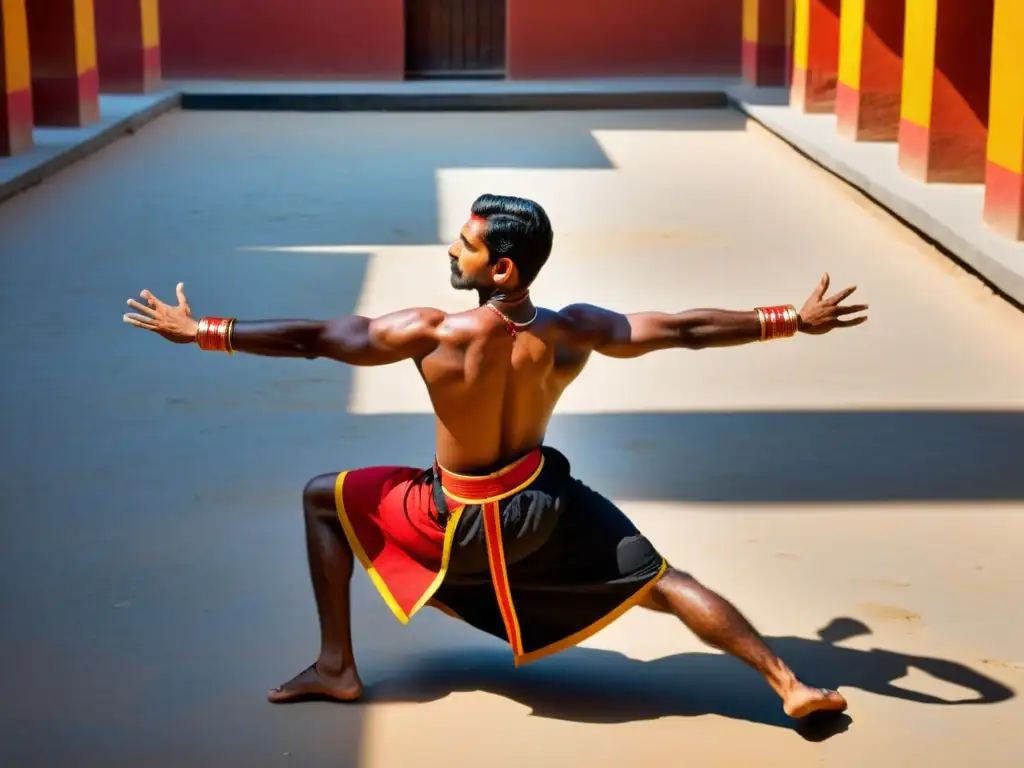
(618, 335)
(352, 339)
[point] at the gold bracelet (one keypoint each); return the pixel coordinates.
(779, 322)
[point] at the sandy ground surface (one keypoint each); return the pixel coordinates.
(858, 495)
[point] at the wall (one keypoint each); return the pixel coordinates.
(365, 39)
(283, 39)
(607, 38)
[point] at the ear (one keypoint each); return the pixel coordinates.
(504, 272)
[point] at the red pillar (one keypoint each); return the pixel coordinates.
(946, 80)
(65, 83)
(815, 54)
(128, 45)
(870, 70)
(767, 42)
(15, 80)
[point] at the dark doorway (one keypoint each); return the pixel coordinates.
(454, 39)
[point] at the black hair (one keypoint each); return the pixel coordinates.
(517, 229)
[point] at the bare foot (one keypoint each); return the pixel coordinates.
(312, 685)
(804, 701)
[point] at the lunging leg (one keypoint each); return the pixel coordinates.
(333, 675)
(719, 624)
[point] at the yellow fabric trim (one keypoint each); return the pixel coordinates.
(375, 577)
(522, 486)
(357, 548)
(446, 553)
(575, 639)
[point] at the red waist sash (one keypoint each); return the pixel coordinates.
(484, 489)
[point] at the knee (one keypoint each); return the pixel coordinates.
(318, 497)
(671, 582)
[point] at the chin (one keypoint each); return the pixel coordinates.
(460, 283)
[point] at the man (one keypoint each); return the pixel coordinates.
(497, 532)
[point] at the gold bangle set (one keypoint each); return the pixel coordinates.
(778, 322)
(214, 334)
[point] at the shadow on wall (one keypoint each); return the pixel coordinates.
(589, 685)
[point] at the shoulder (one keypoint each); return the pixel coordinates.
(585, 323)
(407, 325)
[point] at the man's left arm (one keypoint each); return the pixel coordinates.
(631, 335)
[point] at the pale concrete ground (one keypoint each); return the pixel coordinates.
(155, 583)
(949, 214)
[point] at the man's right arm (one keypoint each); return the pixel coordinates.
(353, 339)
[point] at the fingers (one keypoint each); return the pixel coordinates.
(822, 286)
(154, 302)
(842, 296)
(852, 309)
(182, 301)
(851, 323)
(141, 307)
(139, 321)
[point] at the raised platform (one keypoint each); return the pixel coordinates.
(458, 95)
(57, 148)
(950, 215)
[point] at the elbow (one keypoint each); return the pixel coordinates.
(693, 338)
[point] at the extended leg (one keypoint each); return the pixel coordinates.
(334, 674)
(719, 624)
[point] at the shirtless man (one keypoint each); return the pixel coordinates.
(497, 532)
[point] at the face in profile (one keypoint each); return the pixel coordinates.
(470, 259)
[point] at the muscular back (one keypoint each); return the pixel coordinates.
(494, 395)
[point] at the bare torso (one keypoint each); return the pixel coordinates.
(494, 394)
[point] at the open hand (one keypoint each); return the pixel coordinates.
(820, 314)
(173, 323)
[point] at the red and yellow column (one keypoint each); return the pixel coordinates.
(1004, 177)
(767, 42)
(946, 79)
(65, 82)
(15, 80)
(870, 69)
(128, 42)
(815, 54)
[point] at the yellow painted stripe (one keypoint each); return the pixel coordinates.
(851, 42)
(750, 11)
(919, 61)
(85, 36)
(15, 49)
(150, 10)
(801, 33)
(1006, 114)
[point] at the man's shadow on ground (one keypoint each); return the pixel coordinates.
(595, 686)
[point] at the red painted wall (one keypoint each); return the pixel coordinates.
(365, 39)
(283, 39)
(609, 38)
